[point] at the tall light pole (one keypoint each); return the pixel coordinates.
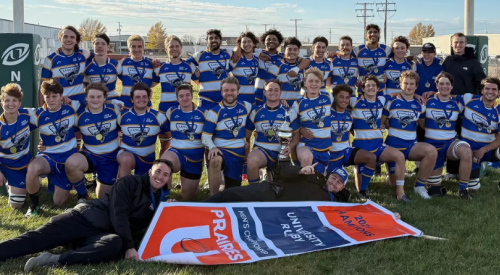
(469, 17)
(18, 8)
(295, 25)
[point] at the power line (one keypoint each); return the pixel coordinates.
(364, 14)
(385, 10)
(295, 25)
(265, 27)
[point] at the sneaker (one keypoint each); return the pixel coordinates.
(422, 192)
(404, 199)
(363, 196)
(33, 211)
(44, 259)
(464, 194)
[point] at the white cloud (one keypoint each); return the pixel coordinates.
(284, 5)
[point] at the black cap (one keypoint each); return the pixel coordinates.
(429, 47)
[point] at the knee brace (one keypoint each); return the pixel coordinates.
(434, 180)
(455, 147)
(17, 198)
(474, 184)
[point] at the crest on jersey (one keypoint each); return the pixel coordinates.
(135, 75)
(294, 81)
(217, 70)
(183, 128)
(230, 125)
(105, 128)
(21, 139)
(136, 134)
(250, 75)
(316, 119)
(268, 64)
(63, 128)
(70, 73)
(369, 66)
(370, 119)
(350, 73)
(266, 127)
(405, 118)
(394, 76)
(480, 122)
(173, 80)
(439, 117)
(343, 128)
(94, 79)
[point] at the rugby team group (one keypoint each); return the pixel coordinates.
(434, 112)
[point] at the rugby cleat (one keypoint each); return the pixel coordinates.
(464, 194)
(422, 192)
(33, 211)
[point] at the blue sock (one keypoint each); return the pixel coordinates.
(257, 180)
(463, 184)
(366, 177)
(392, 168)
(80, 188)
(420, 183)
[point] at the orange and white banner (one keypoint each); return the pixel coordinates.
(229, 233)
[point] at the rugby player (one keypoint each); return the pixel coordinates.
(397, 64)
(318, 59)
(186, 153)
(224, 135)
(345, 66)
(402, 113)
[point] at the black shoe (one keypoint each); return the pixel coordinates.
(363, 196)
(33, 211)
(464, 194)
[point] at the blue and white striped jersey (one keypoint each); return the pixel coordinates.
(186, 129)
(265, 75)
(170, 77)
(479, 124)
(107, 74)
(372, 61)
(344, 69)
(245, 71)
(314, 114)
(440, 120)
(227, 125)
(290, 86)
(134, 72)
(17, 136)
(393, 71)
(68, 70)
(325, 66)
(265, 122)
(403, 116)
(99, 131)
(341, 125)
(141, 131)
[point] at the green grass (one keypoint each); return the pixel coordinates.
(470, 226)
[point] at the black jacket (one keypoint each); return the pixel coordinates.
(126, 210)
(466, 71)
(296, 187)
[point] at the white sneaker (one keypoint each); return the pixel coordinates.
(422, 192)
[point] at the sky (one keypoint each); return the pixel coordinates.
(232, 17)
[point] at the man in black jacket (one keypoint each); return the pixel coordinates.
(99, 230)
(464, 67)
(295, 184)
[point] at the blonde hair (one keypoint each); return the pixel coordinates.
(315, 71)
(411, 75)
(12, 89)
(135, 37)
(171, 38)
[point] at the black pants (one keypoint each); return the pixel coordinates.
(91, 244)
(254, 192)
(453, 165)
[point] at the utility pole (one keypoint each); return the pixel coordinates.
(364, 14)
(120, 37)
(246, 26)
(330, 32)
(265, 27)
(295, 25)
(18, 16)
(386, 8)
(469, 17)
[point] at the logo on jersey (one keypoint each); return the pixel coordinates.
(94, 79)
(183, 128)
(369, 66)
(405, 118)
(294, 81)
(70, 74)
(394, 76)
(15, 54)
(344, 127)
(136, 76)
(21, 139)
(250, 75)
(136, 135)
(217, 70)
(63, 128)
(350, 73)
(439, 117)
(266, 127)
(105, 128)
(230, 125)
(173, 80)
(480, 122)
(268, 64)
(369, 118)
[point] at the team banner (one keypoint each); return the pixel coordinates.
(230, 233)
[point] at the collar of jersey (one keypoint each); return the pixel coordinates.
(3, 120)
(495, 104)
(95, 62)
(60, 52)
(132, 111)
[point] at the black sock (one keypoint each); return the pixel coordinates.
(35, 199)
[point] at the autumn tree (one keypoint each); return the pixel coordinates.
(89, 28)
(419, 32)
(156, 37)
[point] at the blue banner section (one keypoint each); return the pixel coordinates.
(248, 233)
(297, 229)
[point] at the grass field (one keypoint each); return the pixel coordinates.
(472, 228)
